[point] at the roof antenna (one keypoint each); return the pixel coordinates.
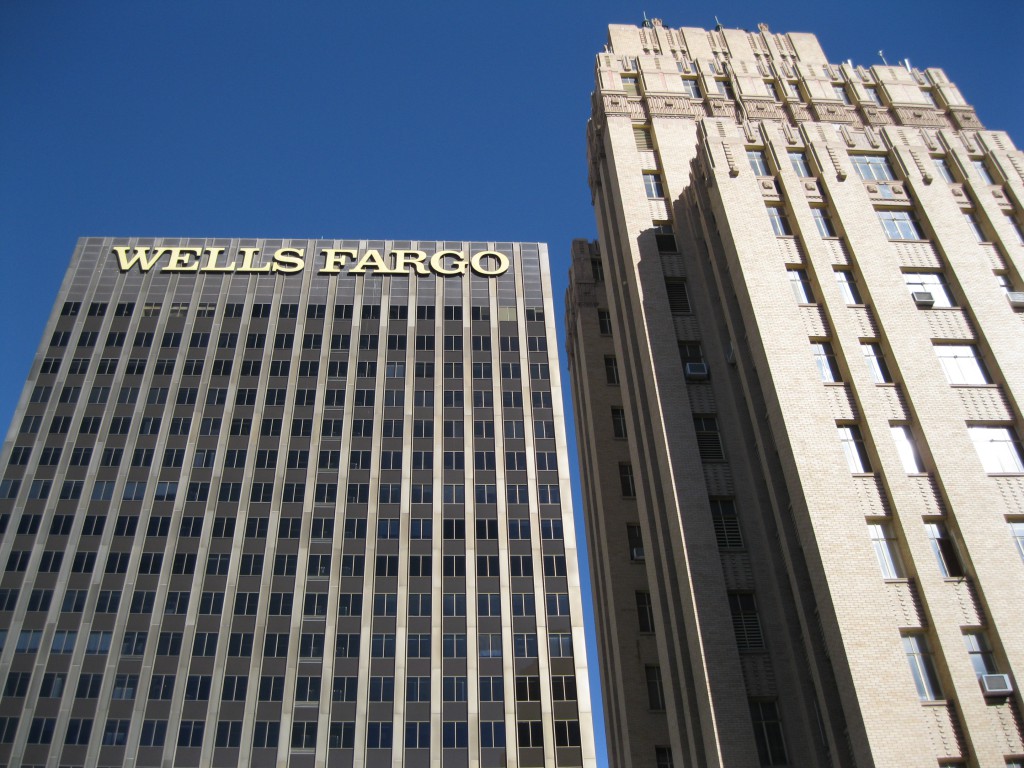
(881, 55)
(647, 22)
(718, 25)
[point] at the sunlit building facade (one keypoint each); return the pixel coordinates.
(796, 360)
(293, 503)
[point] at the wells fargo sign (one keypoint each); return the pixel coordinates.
(331, 261)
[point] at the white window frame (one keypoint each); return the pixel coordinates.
(933, 283)
(961, 364)
(998, 448)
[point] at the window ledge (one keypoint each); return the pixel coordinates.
(974, 386)
(862, 474)
(935, 703)
(899, 580)
(1005, 474)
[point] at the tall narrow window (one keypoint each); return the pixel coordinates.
(655, 691)
(944, 550)
(883, 541)
(853, 448)
(799, 162)
(873, 96)
(1015, 226)
(726, 523)
(678, 298)
(758, 163)
(645, 612)
(653, 185)
(635, 542)
(611, 369)
(665, 237)
(848, 287)
(780, 224)
(922, 668)
(907, 449)
(1017, 531)
(745, 623)
(823, 222)
(771, 747)
(626, 481)
(801, 286)
(642, 137)
(975, 227)
(709, 441)
(980, 653)
(825, 359)
(619, 422)
(943, 168)
(982, 170)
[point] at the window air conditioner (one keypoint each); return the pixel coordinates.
(1016, 299)
(923, 298)
(636, 554)
(996, 685)
(696, 371)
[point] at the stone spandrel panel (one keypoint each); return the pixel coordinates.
(838, 254)
(894, 402)
(917, 255)
(944, 730)
(904, 604)
(1012, 490)
(984, 403)
(928, 494)
(840, 403)
(872, 499)
(815, 324)
(949, 324)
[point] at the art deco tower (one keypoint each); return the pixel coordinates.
(293, 503)
(797, 359)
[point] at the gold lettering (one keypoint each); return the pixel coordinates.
(458, 268)
(403, 259)
(477, 263)
(372, 259)
(211, 264)
(248, 254)
(140, 257)
(179, 260)
(334, 260)
(289, 260)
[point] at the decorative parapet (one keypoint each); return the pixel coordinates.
(834, 113)
(922, 116)
(965, 119)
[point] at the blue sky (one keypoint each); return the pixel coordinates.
(444, 120)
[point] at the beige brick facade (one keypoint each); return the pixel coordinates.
(799, 323)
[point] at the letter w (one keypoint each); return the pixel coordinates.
(140, 257)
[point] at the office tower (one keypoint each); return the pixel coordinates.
(293, 502)
(796, 361)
